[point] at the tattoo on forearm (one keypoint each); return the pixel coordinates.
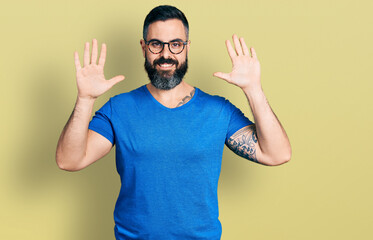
(244, 142)
(186, 98)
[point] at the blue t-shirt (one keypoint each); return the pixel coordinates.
(169, 162)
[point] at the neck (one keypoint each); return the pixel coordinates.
(173, 97)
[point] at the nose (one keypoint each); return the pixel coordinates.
(166, 51)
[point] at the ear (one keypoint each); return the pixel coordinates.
(143, 46)
(188, 46)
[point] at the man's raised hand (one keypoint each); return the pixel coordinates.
(90, 78)
(245, 68)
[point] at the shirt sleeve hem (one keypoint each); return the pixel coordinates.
(103, 133)
(230, 133)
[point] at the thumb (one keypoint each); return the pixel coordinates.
(221, 75)
(116, 80)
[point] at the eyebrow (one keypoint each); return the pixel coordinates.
(176, 39)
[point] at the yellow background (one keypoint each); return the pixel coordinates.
(316, 60)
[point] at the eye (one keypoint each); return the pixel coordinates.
(155, 44)
(176, 44)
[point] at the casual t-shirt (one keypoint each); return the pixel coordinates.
(169, 162)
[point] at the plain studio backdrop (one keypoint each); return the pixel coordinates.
(316, 61)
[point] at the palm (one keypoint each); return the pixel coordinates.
(245, 69)
(90, 79)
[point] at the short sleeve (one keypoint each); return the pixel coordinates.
(237, 119)
(101, 122)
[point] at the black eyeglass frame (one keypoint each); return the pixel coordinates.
(163, 43)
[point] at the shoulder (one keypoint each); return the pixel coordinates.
(126, 97)
(217, 101)
(211, 99)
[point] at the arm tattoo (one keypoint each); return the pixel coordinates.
(186, 98)
(244, 143)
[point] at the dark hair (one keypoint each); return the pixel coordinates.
(163, 13)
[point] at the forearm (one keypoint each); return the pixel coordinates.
(273, 141)
(72, 144)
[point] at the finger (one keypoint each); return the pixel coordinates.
(224, 76)
(94, 51)
(237, 45)
(230, 49)
(253, 53)
(116, 80)
(77, 61)
(101, 60)
(244, 47)
(86, 54)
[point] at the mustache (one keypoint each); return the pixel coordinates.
(163, 60)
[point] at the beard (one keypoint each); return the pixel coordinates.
(165, 80)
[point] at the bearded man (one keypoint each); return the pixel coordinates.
(169, 135)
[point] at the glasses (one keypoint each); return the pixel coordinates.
(175, 46)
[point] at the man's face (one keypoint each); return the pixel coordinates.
(166, 70)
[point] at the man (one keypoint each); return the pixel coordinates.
(169, 135)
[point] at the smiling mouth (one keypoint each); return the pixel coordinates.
(166, 65)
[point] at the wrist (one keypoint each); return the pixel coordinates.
(85, 100)
(252, 90)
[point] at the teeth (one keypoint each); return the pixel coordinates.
(166, 65)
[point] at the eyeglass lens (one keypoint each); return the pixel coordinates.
(175, 47)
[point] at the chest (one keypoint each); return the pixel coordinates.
(169, 137)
